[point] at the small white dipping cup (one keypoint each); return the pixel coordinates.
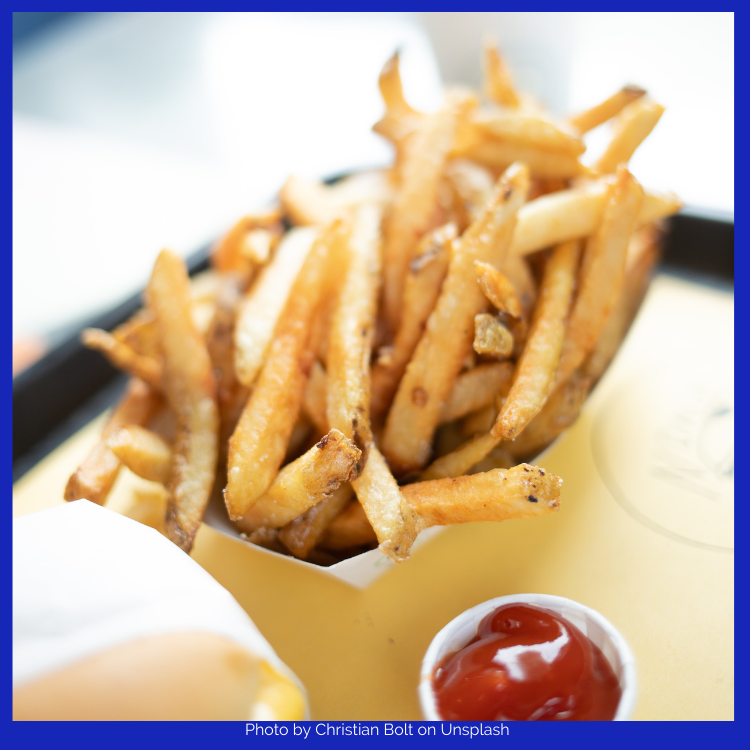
(457, 633)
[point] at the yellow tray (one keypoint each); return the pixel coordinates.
(631, 540)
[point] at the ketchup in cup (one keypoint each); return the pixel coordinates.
(527, 664)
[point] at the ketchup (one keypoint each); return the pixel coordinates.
(527, 664)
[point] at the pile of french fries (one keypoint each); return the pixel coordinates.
(373, 357)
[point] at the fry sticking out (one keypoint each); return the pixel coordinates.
(191, 393)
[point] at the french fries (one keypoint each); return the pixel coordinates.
(424, 389)
(608, 109)
(94, 478)
(259, 442)
(122, 356)
(262, 306)
(602, 272)
(521, 492)
(190, 389)
(144, 452)
(456, 309)
(535, 372)
(303, 483)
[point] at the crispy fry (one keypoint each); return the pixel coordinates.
(396, 525)
(430, 375)
(530, 130)
(558, 413)
(400, 119)
(499, 155)
(307, 202)
(228, 255)
(576, 213)
(516, 270)
(459, 461)
(143, 452)
(498, 289)
(497, 458)
(263, 304)
(353, 328)
(643, 254)
(349, 529)
(498, 86)
(633, 125)
(599, 114)
(316, 397)
(491, 337)
(191, 392)
(304, 533)
(303, 483)
(499, 495)
(415, 203)
(122, 356)
(140, 334)
(94, 478)
(426, 273)
(602, 273)
(476, 388)
(259, 442)
(362, 187)
(535, 371)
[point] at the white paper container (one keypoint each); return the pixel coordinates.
(457, 633)
(359, 571)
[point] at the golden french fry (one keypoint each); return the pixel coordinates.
(516, 270)
(499, 495)
(303, 483)
(499, 155)
(576, 213)
(302, 534)
(529, 130)
(143, 452)
(498, 289)
(314, 403)
(349, 529)
(400, 119)
(632, 127)
(396, 525)
(558, 413)
(476, 388)
(307, 202)
(536, 368)
(459, 461)
(191, 392)
(426, 273)
(491, 337)
(643, 254)
(94, 478)
(610, 107)
(259, 442)
(602, 273)
(498, 86)
(228, 254)
(139, 334)
(260, 309)
(433, 369)
(352, 329)
(123, 357)
(414, 205)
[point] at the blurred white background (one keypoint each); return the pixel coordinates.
(136, 131)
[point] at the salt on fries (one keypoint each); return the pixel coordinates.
(381, 365)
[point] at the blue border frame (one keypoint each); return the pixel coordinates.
(122, 734)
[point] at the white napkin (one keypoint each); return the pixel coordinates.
(86, 579)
